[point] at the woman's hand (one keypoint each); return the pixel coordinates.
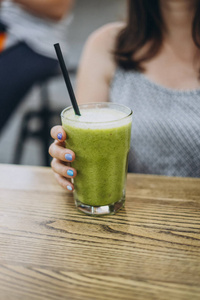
(61, 158)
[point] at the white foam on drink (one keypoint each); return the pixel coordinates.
(97, 118)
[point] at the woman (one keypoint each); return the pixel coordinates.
(151, 64)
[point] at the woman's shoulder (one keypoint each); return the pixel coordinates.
(104, 37)
(97, 63)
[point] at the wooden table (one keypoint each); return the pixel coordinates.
(49, 250)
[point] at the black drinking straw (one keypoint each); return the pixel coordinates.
(67, 79)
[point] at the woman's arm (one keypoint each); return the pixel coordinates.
(96, 68)
(52, 9)
(93, 83)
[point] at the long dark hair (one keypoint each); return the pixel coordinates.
(145, 25)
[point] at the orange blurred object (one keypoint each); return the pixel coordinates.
(2, 40)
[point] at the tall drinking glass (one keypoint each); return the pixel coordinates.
(100, 138)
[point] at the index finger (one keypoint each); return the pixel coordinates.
(58, 133)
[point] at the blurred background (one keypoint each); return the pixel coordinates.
(88, 15)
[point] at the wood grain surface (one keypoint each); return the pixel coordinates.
(49, 250)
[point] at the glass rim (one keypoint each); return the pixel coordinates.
(96, 103)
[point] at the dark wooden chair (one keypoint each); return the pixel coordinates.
(43, 116)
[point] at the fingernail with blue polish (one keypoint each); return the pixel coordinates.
(69, 187)
(68, 157)
(70, 173)
(59, 136)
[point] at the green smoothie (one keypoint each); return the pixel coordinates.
(100, 139)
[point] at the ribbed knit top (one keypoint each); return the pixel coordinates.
(165, 137)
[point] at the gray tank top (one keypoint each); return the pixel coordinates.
(165, 138)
